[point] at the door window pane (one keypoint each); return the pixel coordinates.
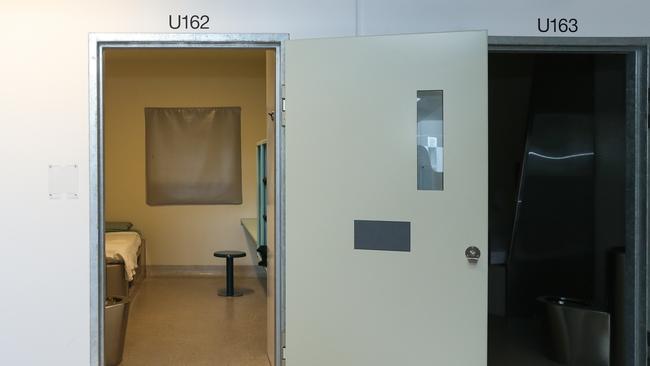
(430, 140)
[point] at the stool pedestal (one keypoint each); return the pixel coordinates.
(230, 256)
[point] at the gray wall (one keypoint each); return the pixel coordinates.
(609, 170)
(510, 82)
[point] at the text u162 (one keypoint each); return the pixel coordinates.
(557, 25)
(189, 21)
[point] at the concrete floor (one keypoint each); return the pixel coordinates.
(182, 321)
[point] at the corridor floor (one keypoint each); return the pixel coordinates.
(182, 321)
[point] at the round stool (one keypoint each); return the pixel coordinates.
(230, 255)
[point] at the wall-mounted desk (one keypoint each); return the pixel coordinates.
(250, 226)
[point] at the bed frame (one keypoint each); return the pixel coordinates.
(116, 283)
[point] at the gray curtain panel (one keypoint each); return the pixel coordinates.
(193, 156)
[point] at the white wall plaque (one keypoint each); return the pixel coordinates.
(63, 181)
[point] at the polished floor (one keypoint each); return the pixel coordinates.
(182, 321)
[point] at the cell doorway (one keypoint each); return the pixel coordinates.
(186, 204)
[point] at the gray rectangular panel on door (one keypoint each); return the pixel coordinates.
(382, 235)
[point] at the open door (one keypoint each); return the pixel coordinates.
(386, 189)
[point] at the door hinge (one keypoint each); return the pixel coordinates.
(283, 104)
(284, 353)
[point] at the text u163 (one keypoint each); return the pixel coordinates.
(189, 22)
(557, 25)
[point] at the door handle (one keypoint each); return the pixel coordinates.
(472, 254)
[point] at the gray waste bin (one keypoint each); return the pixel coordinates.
(116, 317)
(575, 333)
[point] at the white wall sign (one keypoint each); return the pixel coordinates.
(63, 182)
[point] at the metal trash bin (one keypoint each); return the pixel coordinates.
(575, 333)
(116, 317)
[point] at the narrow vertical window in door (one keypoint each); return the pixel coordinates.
(430, 140)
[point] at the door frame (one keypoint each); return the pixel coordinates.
(636, 165)
(97, 43)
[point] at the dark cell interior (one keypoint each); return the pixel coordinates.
(556, 179)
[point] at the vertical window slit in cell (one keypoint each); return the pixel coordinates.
(430, 140)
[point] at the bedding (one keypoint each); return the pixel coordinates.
(123, 246)
(111, 226)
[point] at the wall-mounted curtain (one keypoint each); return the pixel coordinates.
(193, 156)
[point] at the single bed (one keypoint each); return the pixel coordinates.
(125, 257)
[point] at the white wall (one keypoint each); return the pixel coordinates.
(504, 17)
(44, 119)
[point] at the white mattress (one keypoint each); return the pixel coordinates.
(123, 246)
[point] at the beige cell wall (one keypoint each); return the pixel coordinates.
(135, 79)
